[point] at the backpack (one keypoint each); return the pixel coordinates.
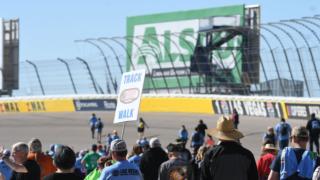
(315, 126)
(99, 125)
(283, 129)
(196, 137)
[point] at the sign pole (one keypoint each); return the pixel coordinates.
(123, 129)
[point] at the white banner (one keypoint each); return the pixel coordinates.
(129, 96)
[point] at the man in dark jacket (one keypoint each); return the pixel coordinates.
(202, 127)
(228, 160)
(313, 126)
(152, 159)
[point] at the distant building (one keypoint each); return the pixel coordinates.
(282, 87)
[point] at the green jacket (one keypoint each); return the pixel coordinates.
(93, 175)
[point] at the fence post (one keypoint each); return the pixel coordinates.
(104, 58)
(70, 75)
(90, 73)
(38, 75)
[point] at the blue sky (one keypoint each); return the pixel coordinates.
(48, 28)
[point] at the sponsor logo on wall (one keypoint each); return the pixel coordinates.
(9, 107)
(36, 106)
(249, 108)
(302, 111)
(29, 106)
(95, 105)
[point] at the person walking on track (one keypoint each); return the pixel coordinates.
(93, 120)
(141, 127)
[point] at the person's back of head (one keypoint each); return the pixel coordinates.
(118, 149)
(200, 121)
(178, 173)
(35, 145)
(154, 142)
(313, 116)
(270, 130)
(300, 137)
(102, 161)
(282, 120)
(64, 158)
(300, 134)
(137, 149)
(235, 110)
(115, 132)
(93, 115)
(94, 147)
(173, 150)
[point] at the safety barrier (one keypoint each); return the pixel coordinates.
(294, 108)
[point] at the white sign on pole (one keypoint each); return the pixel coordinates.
(129, 96)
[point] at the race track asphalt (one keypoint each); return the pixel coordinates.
(73, 128)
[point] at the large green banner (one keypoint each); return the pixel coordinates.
(164, 43)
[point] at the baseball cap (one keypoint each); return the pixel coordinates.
(154, 142)
(118, 145)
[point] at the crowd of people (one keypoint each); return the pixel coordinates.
(284, 155)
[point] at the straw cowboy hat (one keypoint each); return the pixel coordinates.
(270, 147)
(225, 130)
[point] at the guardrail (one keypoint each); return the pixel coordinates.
(265, 106)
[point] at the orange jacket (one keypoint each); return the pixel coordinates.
(44, 161)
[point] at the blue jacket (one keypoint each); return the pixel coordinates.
(183, 134)
(200, 140)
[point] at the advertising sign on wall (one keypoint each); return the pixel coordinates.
(248, 108)
(302, 111)
(52, 105)
(95, 104)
